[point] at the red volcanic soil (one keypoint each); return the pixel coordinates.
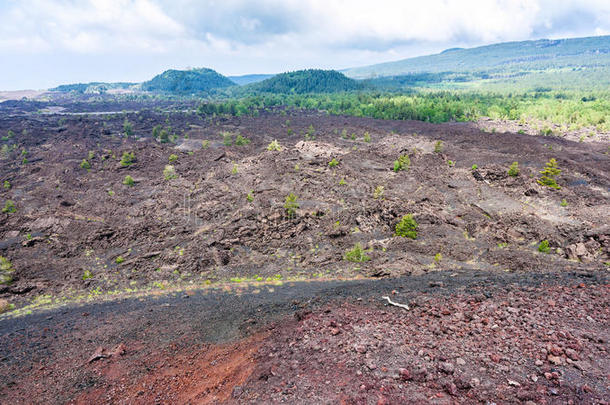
(465, 339)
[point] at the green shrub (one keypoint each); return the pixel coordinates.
(173, 158)
(6, 270)
(438, 257)
(378, 193)
(205, 144)
(234, 170)
(450, 163)
(291, 205)
(513, 169)
(241, 141)
(357, 254)
(85, 165)
(543, 247)
(119, 260)
(7, 184)
(407, 227)
(548, 175)
(90, 155)
(156, 132)
(438, 147)
(250, 196)
(402, 163)
(311, 131)
(274, 146)
(87, 275)
(333, 163)
(474, 167)
(164, 136)
(127, 159)
(169, 172)
(367, 137)
(227, 138)
(564, 203)
(128, 181)
(9, 207)
(127, 128)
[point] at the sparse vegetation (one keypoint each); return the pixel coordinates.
(127, 128)
(357, 254)
(241, 141)
(119, 260)
(6, 271)
(407, 227)
(173, 157)
(85, 164)
(274, 146)
(438, 147)
(367, 137)
(291, 205)
(564, 203)
(7, 185)
(250, 196)
(169, 172)
(9, 207)
(544, 247)
(128, 159)
(87, 275)
(378, 192)
(402, 163)
(333, 163)
(128, 181)
(548, 175)
(513, 170)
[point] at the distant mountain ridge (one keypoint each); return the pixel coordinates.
(497, 58)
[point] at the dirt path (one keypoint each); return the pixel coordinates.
(210, 345)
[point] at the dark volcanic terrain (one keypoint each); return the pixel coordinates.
(492, 317)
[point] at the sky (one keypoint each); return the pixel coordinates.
(44, 43)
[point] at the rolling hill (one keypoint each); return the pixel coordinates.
(187, 81)
(307, 81)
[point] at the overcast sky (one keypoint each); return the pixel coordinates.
(44, 43)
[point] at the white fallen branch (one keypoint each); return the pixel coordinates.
(396, 304)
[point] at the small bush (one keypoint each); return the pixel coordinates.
(9, 207)
(291, 205)
(173, 158)
(127, 159)
(402, 163)
(87, 275)
(156, 132)
(438, 257)
(6, 270)
(450, 163)
(128, 181)
(241, 141)
(564, 203)
(474, 167)
(342, 182)
(234, 170)
(90, 155)
(544, 247)
(127, 128)
(227, 138)
(169, 172)
(205, 144)
(513, 169)
(250, 196)
(274, 146)
(7, 185)
(119, 260)
(333, 163)
(378, 193)
(85, 164)
(357, 254)
(407, 227)
(548, 175)
(367, 137)
(438, 147)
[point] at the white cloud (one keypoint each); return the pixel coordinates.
(69, 40)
